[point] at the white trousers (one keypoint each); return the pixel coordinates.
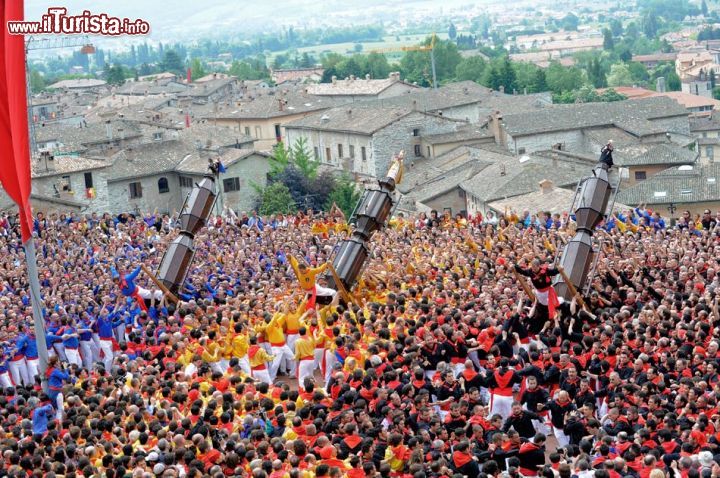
(324, 291)
(319, 354)
(330, 361)
(306, 368)
(59, 406)
(501, 405)
(148, 294)
(33, 368)
(73, 356)
(562, 439)
(262, 375)
(291, 339)
(245, 365)
(60, 350)
(19, 372)
(280, 355)
(5, 380)
(106, 346)
(89, 353)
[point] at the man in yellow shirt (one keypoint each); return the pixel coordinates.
(281, 352)
(258, 361)
(239, 345)
(307, 276)
(293, 320)
(305, 356)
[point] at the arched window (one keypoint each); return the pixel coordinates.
(163, 186)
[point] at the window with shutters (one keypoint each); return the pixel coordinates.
(135, 190)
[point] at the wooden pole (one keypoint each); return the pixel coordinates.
(528, 290)
(344, 294)
(571, 286)
(160, 285)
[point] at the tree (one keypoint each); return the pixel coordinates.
(625, 54)
(279, 160)
(301, 158)
(416, 64)
(276, 199)
(377, 66)
(596, 72)
(524, 76)
(632, 31)
(539, 82)
(570, 22)
(650, 24)
(358, 47)
(493, 79)
(307, 61)
(144, 70)
(611, 95)
(196, 69)
(616, 27)
(509, 80)
(171, 62)
(115, 75)
(452, 31)
(619, 75)
(608, 41)
(704, 8)
(638, 72)
(560, 78)
(471, 68)
(673, 82)
(37, 82)
(586, 94)
(345, 195)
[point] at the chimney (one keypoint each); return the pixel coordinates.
(108, 129)
(414, 105)
(349, 113)
(280, 104)
(546, 186)
(660, 85)
(465, 90)
(352, 77)
(496, 127)
(367, 77)
(334, 80)
(501, 89)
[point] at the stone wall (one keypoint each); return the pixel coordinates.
(249, 171)
(320, 143)
(120, 201)
(399, 136)
(572, 141)
(50, 186)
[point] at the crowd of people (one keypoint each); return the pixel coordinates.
(440, 366)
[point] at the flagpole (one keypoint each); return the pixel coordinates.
(36, 301)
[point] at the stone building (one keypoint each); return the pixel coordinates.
(646, 119)
(263, 116)
(79, 183)
(357, 89)
(675, 190)
(362, 140)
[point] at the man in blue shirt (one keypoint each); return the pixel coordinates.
(41, 417)
(71, 341)
(88, 349)
(18, 365)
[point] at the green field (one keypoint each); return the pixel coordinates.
(348, 48)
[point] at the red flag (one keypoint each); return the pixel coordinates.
(14, 139)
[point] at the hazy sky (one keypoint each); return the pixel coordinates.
(177, 19)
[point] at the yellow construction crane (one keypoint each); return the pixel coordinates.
(430, 48)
